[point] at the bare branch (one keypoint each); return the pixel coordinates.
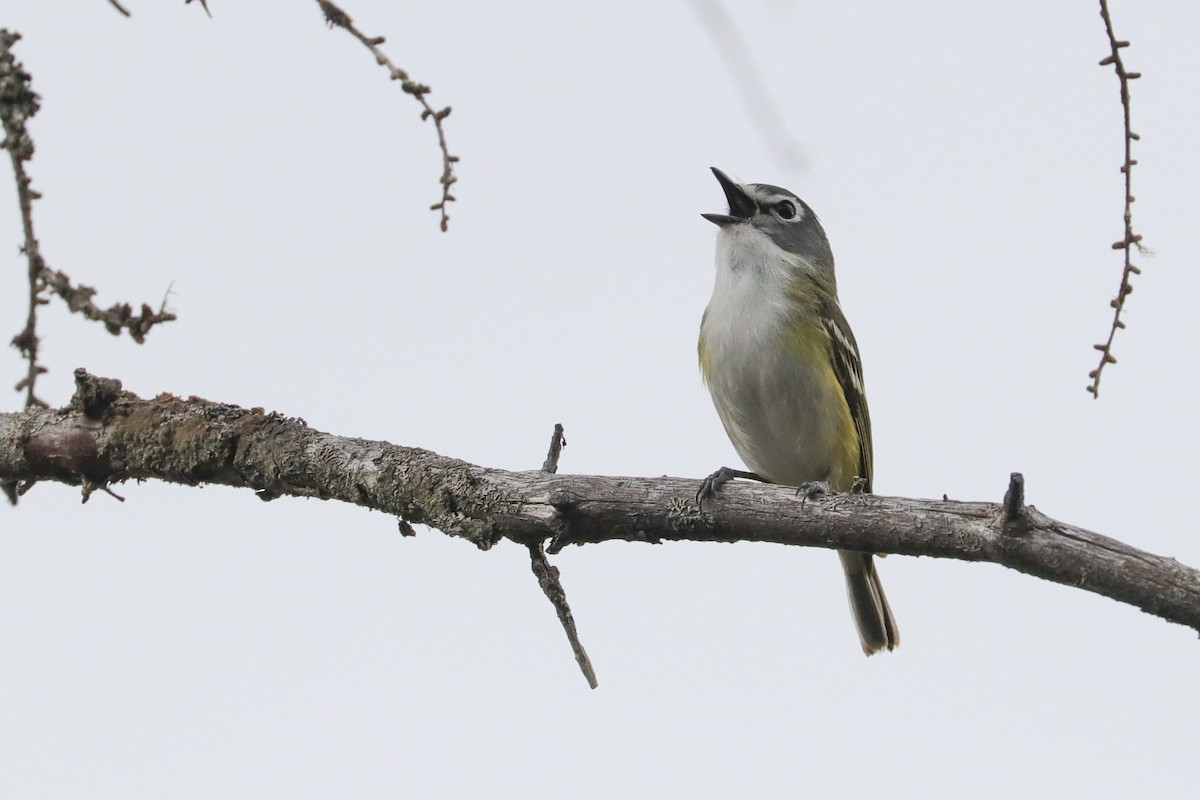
(18, 104)
(547, 576)
(126, 13)
(106, 435)
(340, 19)
(1130, 239)
(116, 318)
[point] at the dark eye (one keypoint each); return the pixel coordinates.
(785, 209)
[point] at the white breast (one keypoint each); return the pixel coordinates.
(776, 405)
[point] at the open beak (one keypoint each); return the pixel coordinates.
(741, 207)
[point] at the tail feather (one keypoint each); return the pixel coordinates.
(872, 616)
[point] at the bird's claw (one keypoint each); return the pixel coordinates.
(713, 483)
(810, 489)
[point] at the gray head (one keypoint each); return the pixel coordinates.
(781, 216)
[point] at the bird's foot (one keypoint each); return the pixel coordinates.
(810, 489)
(713, 483)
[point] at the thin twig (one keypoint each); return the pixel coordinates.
(120, 8)
(557, 443)
(18, 104)
(203, 3)
(117, 317)
(1130, 238)
(748, 79)
(340, 19)
(547, 576)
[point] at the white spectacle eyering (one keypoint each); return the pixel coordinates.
(770, 202)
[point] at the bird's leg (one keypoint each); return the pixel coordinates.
(713, 483)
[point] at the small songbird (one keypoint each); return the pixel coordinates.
(783, 369)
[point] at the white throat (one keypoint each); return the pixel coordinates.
(749, 298)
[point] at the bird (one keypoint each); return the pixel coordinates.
(783, 368)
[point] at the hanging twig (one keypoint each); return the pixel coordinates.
(340, 19)
(1130, 239)
(18, 104)
(547, 574)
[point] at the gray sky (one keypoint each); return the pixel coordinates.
(963, 158)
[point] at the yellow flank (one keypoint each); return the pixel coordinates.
(806, 343)
(850, 457)
(809, 342)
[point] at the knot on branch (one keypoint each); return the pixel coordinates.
(94, 395)
(69, 451)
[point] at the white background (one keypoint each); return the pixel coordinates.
(964, 160)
